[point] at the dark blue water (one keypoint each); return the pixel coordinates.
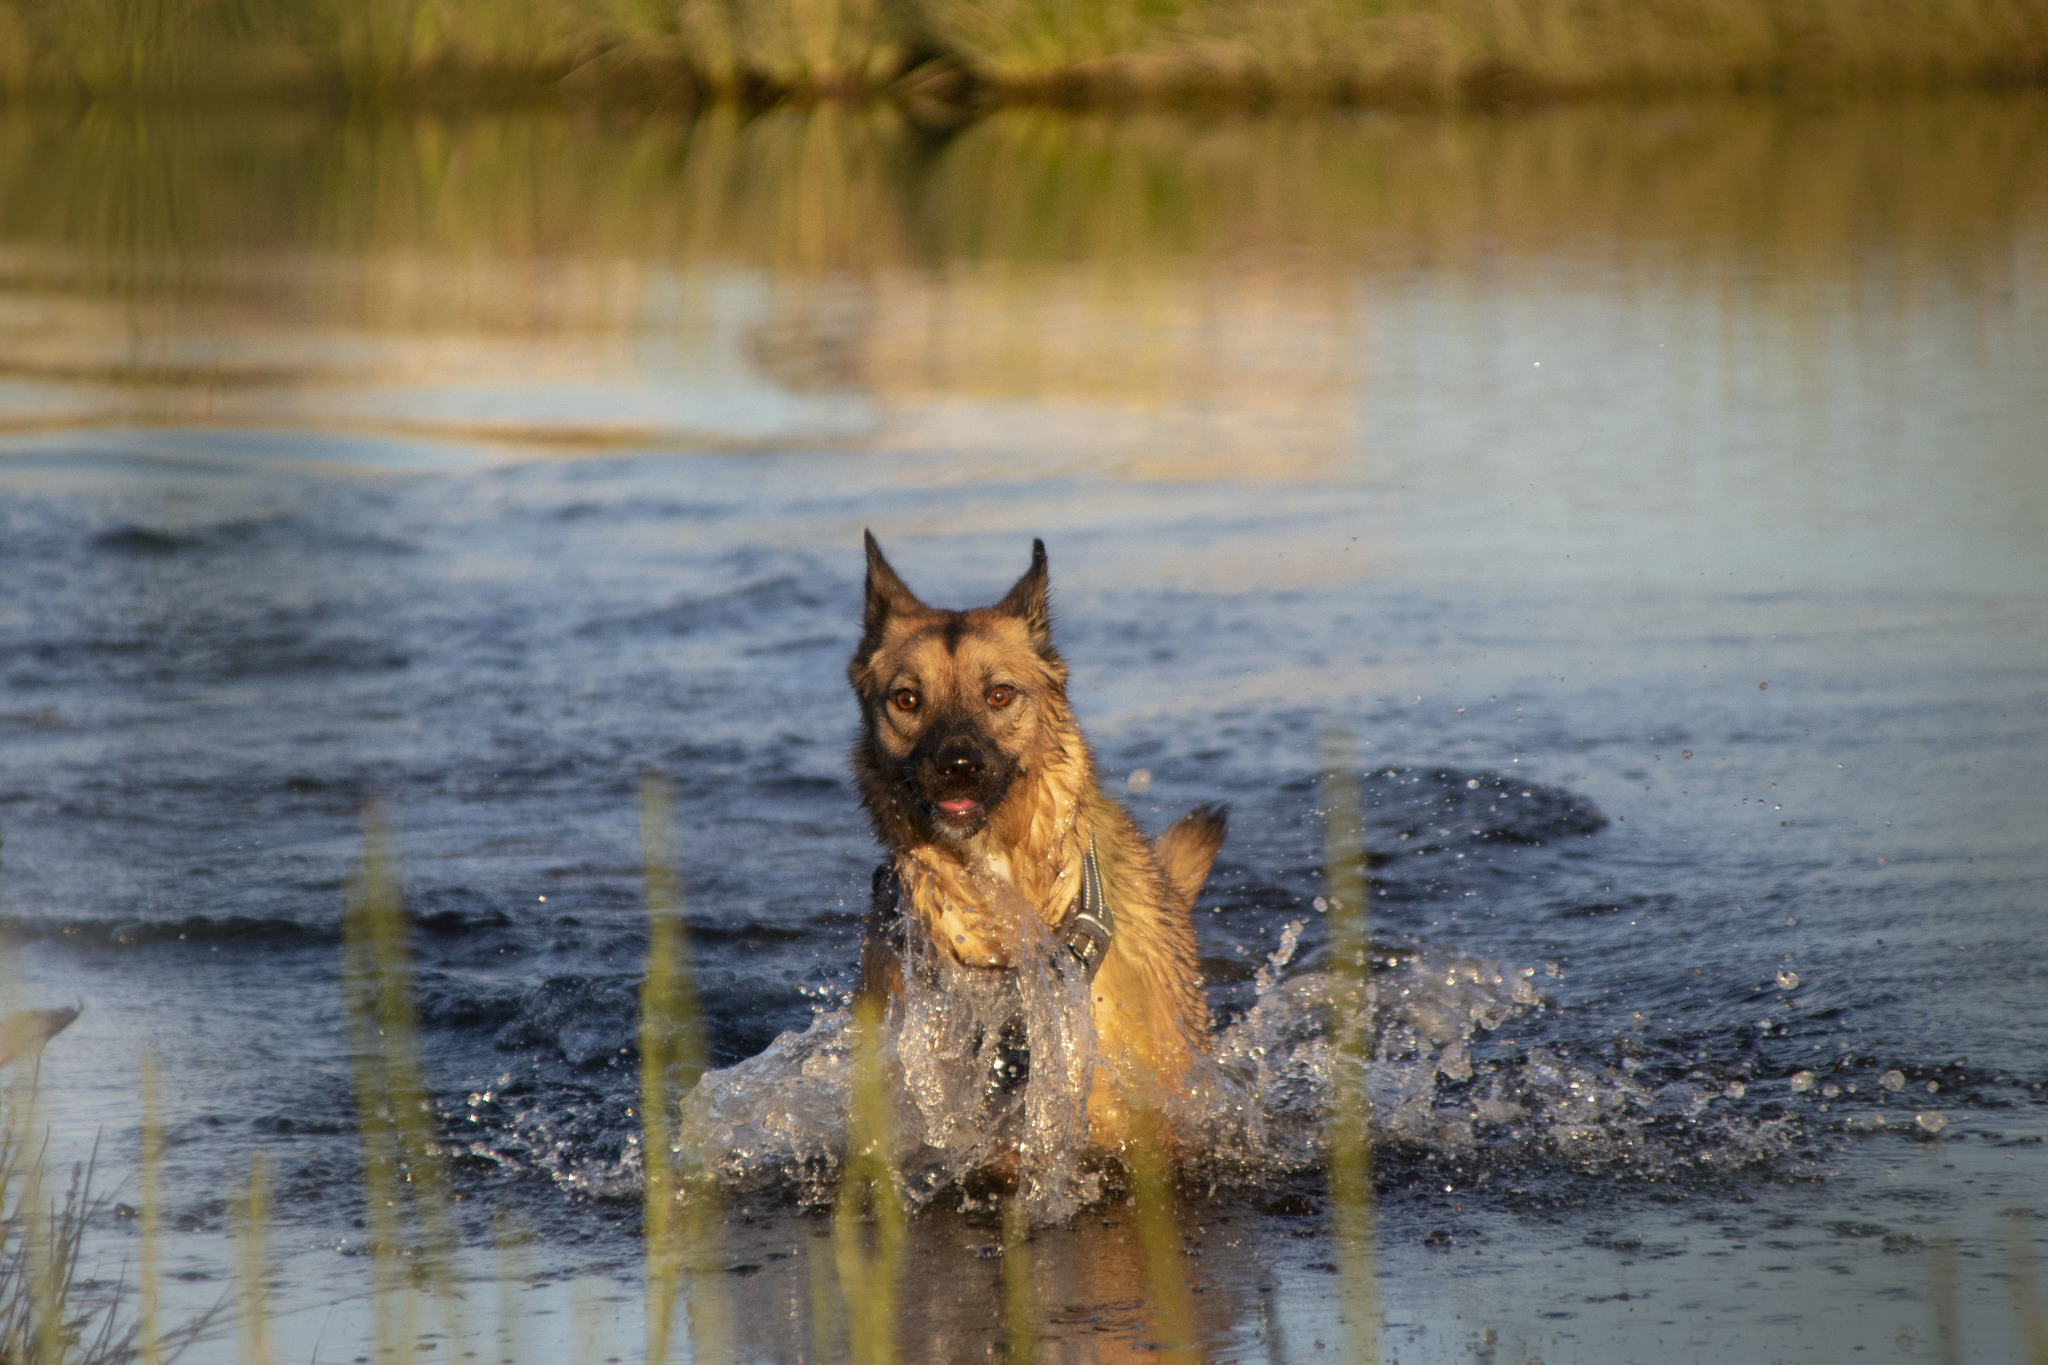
(1690, 653)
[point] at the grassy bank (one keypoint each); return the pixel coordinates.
(952, 53)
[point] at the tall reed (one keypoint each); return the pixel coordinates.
(254, 1315)
(47, 1317)
(868, 1221)
(149, 1344)
(1349, 1141)
(680, 1194)
(404, 1185)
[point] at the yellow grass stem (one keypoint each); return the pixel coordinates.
(868, 1223)
(1020, 1325)
(253, 1213)
(404, 1186)
(680, 1193)
(1166, 1276)
(148, 1341)
(1351, 994)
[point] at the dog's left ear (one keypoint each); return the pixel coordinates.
(1026, 601)
(887, 595)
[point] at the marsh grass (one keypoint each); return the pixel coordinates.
(48, 1316)
(970, 50)
(1349, 1141)
(680, 1202)
(412, 1239)
(868, 1219)
(252, 1293)
(856, 1269)
(148, 1340)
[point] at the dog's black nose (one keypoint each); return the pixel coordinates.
(959, 760)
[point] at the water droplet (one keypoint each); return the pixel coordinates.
(1894, 1081)
(1802, 1081)
(1933, 1086)
(1735, 1090)
(1830, 1091)
(1472, 782)
(1788, 980)
(1930, 1121)
(1322, 906)
(1140, 780)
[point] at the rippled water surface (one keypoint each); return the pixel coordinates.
(1652, 503)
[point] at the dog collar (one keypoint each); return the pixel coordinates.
(1090, 923)
(1085, 932)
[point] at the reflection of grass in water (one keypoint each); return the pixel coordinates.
(1020, 1327)
(1158, 1220)
(1314, 49)
(1947, 1330)
(1747, 195)
(1349, 1136)
(2026, 1290)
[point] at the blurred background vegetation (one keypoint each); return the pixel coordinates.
(954, 53)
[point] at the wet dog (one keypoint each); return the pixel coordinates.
(978, 780)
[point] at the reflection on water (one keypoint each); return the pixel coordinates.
(1539, 453)
(1175, 300)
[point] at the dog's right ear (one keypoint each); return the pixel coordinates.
(887, 594)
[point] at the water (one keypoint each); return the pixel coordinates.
(1681, 468)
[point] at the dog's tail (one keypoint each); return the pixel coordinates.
(1187, 851)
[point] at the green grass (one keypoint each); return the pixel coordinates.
(638, 51)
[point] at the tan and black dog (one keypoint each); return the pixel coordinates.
(978, 780)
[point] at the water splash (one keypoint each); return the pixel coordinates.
(972, 1115)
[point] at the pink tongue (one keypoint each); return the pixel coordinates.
(958, 806)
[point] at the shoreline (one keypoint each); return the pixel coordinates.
(949, 60)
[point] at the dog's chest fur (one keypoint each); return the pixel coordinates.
(1025, 866)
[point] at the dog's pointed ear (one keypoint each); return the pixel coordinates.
(1026, 600)
(887, 594)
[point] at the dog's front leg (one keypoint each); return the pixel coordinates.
(881, 944)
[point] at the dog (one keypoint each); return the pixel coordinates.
(978, 781)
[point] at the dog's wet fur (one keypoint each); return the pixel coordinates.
(977, 779)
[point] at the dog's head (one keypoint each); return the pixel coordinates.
(955, 705)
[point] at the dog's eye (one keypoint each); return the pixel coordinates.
(905, 699)
(1000, 696)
